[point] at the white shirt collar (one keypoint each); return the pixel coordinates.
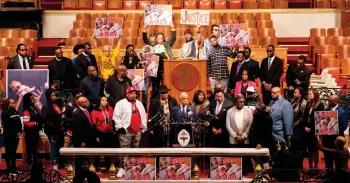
(334, 108)
(247, 60)
(82, 109)
(273, 58)
(85, 54)
(25, 61)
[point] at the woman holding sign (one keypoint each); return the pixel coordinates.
(189, 49)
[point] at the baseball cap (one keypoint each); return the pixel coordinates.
(130, 89)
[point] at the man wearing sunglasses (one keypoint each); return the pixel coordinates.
(21, 60)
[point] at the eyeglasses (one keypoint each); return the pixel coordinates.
(23, 50)
(275, 92)
(216, 30)
(241, 101)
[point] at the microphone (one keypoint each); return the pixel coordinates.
(154, 117)
(211, 115)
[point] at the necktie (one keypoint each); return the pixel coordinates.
(86, 112)
(217, 110)
(24, 63)
(88, 58)
(269, 64)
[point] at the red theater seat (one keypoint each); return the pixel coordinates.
(11, 33)
(29, 33)
(78, 33)
(205, 4)
(340, 4)
(280, 4)
(264, 24)
(81, 24)
(114, 4)
(177, 4)
(262, 16)
(265, 41)
(250, 4)
(84, 5)
(220, 4)
(322, 4)
(190, 4)
(335, 32)
(265, 4)
(266, 32)
(129, 5)
(99, 5)
(111, 41)
(70, 4)
(235, 4)
(83, 16)
(142, 4)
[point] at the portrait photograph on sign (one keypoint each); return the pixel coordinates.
(195, 17)
(140, 168)
(150, 62)
(108, 27)
(174, 168)
(158, 14)
(20, 82)
(326, 122)
(137, 77)
(234, 34)
(225, 168)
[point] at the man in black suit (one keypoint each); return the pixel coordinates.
(85, 60)
(61, 71)
(220, 85)
(21, 60)
(298, 75)
(253, 65)
(270, 73)
(217, 127)
(82, 129)
(236, 71)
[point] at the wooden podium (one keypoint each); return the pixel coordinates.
(185, 76)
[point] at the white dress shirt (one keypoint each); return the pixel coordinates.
(25, 61)
(239, 120)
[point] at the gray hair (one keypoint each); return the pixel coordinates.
(220, 83)
(183, 95)
(239, 96)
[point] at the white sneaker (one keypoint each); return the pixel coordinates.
(121, 172)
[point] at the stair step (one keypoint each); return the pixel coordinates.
(293, 40)
(292, 49)
(43, 60)
(51, 5)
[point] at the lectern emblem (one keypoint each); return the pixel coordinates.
(183, 137)
(185, 77)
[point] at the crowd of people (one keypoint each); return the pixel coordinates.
(105, 110)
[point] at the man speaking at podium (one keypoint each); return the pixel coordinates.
(183, 113)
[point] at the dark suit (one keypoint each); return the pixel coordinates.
(158, 139)
(82, 129)
(227, 96)
(222, 139)
(82, 64)
(328, 140)
(236, 75)
(302, 74)
(271, 76)
(183, 116)
(253, 69)
(63, 71)
(14, 63)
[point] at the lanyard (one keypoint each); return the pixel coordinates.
(104, 116)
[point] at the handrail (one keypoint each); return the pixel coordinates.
(164, 151)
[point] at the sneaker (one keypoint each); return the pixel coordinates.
(121, 172)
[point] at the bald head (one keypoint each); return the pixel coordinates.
(92, 71)
(340, 142)
(333, 100)
(83, 102)
(121, 70)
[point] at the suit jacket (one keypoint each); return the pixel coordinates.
(272, 75)
(188, 116)
(155, 108)
(302, 74)
(342, 120)
(232, 127)
(239, 86)
(64, 73)
(221, 122)
(14, 63)
(82, 129)
(253, 69)
(236, 76)
(82, 64)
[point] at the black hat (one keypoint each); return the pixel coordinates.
(163, 89)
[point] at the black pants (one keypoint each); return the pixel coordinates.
(32, 141)
(266, 96)
(220, 140)
(107, 140)
(328, 142)
(11, 144)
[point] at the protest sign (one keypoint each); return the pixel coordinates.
(225, 168)
(174, 168)
(137, 77)
(195, 17)
(326, 122)
(150, 62)
(140, 168)
(108, 27)
(158, 14)
(234, 34)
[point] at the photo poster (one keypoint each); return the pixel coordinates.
(137, 77)
(225, 168)
(140, 168)
(151, 63)
(108, 27)
(195, 17)
(19, 82)
(326, 122)
(156, 14)
(234, 34)
(174, 168)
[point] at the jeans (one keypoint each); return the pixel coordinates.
(53, 148)
(213, 81)
(148, 81)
